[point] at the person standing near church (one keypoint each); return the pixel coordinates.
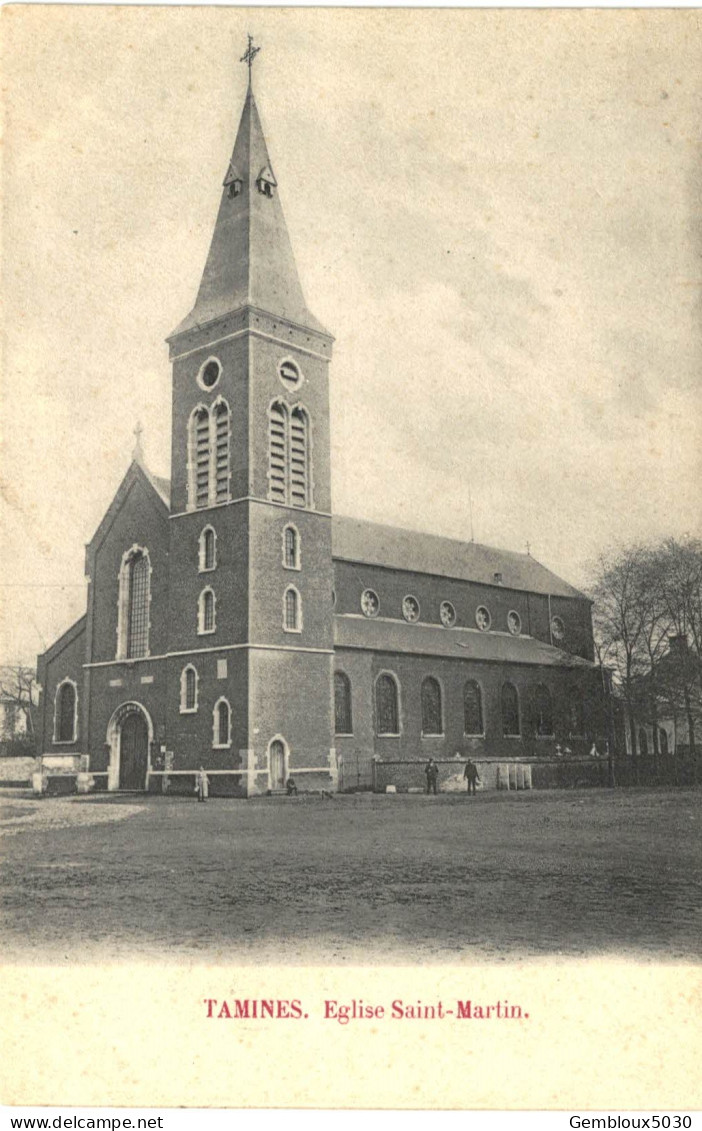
(471, 775)
(432, 771)
(202, 785)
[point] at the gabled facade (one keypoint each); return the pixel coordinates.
(232, 623)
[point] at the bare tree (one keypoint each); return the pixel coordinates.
(18, 686)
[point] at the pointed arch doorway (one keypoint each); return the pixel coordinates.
(129, 735)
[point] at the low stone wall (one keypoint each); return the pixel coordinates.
(16, 771)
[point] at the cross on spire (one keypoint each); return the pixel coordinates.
(138, 453)
(249, 55)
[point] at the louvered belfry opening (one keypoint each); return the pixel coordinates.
(221, 429)
(289, 456)
(202, 457)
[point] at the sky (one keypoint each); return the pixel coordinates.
(496, 213)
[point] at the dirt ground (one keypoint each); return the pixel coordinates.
(353, 879)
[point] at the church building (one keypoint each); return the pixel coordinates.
(234, 622)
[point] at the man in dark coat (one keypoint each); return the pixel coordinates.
(471, 775)
(432, 771)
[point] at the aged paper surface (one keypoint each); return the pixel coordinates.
(137, 98)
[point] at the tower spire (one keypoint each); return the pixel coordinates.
(250, 262)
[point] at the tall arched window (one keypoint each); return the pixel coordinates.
(292, 612)
(188, 689)
(299, 458)
(208, 549)
(663, 742)
(133, 604)
(138, 628)
(220, 416)
(206, 612)
(289, 475)
(387, 713)
(472, 708)
(543, 711)
(643, 742)
(343, 722)
(199, 457)
(432, 722)
(576, 712)
(65, 712)
(277, 452)
(510, 711)
(222, 724)
(291, 548)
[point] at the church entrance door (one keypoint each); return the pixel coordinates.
(133, 752)
(276, 764)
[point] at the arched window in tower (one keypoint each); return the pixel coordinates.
(65, 712)
(510, 711)
(543, 711)
(138, 606)
(199, 458)
(299, 458)
(432, 722)
(208, 549)
(188, 690)
(472, 708)
(206, 612)
(387, 715)
(277, 451)
(222, 724)
(343, 722)
(221, 430)
(292, 611)
(291, 548)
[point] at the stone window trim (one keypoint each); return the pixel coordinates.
(201, 410)
(514, 622)
(298, 609)
(442, 722)
(482, 613)
(447, 614)
(201, 605)
(411, 608)
(200, 374)
(123, 604)
(65, 682)
(366, 604)
(287, 364)
(202, 549)
(481, 699)
(297, 557)
(217, 743)
(398, 699)
(184, 709)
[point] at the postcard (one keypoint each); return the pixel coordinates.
(351, 689)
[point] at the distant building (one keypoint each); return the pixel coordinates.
(234, 622)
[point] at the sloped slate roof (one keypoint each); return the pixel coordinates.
(396, 548)
(382, 635)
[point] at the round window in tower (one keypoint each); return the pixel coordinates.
(209, 374)
(557, 628)
(410, 608)
(289, 373)
(447, 614)
(514, 622)
(482, 618)
(370, 605)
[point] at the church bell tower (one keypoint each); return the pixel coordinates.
(250, 545)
